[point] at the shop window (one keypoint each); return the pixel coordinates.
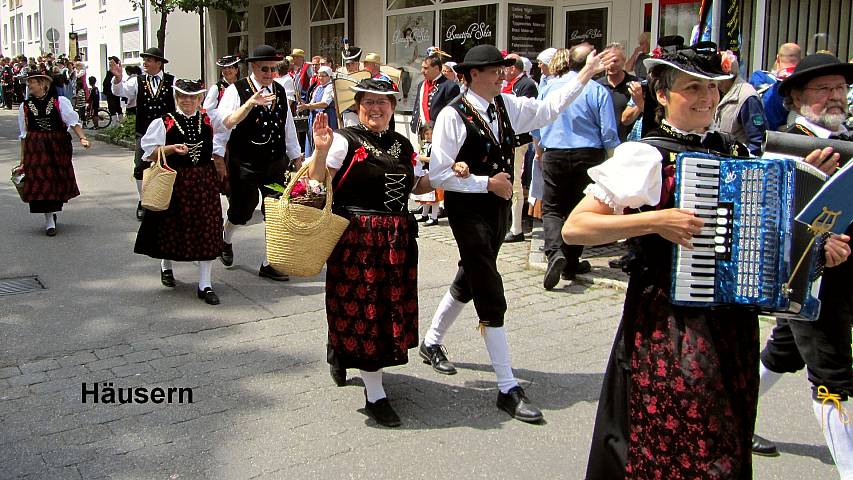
(409, 36)
(529, 31)
(327, 10)
(678, 17)
(398, 4)
(460, 29)
(277, 27)
(327, 41)
(588, 25)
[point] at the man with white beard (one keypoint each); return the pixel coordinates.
(817, 93)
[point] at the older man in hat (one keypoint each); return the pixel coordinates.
(261, 141)
(301, 73)
(229, 68)
(154, 97)
(816, 91)
(479, 128)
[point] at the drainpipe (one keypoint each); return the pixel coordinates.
(202, 75)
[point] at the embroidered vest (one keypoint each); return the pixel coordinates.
(259, 139)
(151, 104)
(485, 153)
(42, 115)
(196, 133)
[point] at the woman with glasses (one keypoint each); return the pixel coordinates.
(322, 100)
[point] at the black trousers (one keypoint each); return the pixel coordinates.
(823, 347)
(247, 186)
(114, 104)
(8, 96)
(479, 223)
(564, 173)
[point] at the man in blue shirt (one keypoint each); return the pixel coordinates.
(574, 142)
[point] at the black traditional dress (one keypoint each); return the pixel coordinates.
(191, 228)
(372, 274)
(49, 174)
(680, 393)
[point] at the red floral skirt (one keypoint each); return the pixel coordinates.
(49, 173)
(191, 228)
(372, 293)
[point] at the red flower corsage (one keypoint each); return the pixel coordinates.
(359, 155)
(168, 122)
(414, 158)
(657, 52)
(206, 119)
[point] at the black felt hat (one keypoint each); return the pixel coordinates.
(189, 87)
(816, 65)
(701, 61)
(38, 74)
(352, 54)
(483, 56)
(373, 85)
(265, 53)
(228, 61)
(154, 53)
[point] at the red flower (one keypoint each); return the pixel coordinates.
(369, 348)
(396, 292)
(298, 189)
(342, 290)
(370, 275)
(359, 155)
(414, 159)
(370, 312)
(350, 344)
(351, 308)
(657, 52)
(206, 119)
(168, 122)
(360, 327)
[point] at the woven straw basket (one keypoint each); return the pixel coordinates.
(158, 180)
(18, 178)
(300, 238)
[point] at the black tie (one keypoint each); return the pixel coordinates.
(491, 112)
(155, 80)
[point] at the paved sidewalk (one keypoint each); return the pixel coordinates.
(263, 403)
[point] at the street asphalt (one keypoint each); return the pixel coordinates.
(264, 405)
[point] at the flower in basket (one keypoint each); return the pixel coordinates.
(298, 189)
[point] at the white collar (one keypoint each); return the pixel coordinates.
(257, 84)
(158, 75)
(478, 102)
(684, 132)
(181, 113)
(819, 131)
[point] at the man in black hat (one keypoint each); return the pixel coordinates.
(478, 128)
(229, 68)
(351, 57)
(260, 137)
(817, 93)
(154, 96)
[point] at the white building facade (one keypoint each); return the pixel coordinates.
(31, 27)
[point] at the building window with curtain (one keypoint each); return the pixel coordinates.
(129, 42)
(328, 18)
(277, 25)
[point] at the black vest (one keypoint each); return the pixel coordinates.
(151, 104)
(259, 140)
(484, 153)
(42, 115)
(196, 133)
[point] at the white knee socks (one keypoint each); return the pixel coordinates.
(498, 349)
(228, 231)
(839, 437)
(448, 309)
(517, 206)
(49, 222)
(165, 265)
(431, 211)
(373, 385)
(139, 188)
(204, 269)
(767, 377)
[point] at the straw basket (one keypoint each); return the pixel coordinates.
(158, 180)
(300, 238)
(18, 180)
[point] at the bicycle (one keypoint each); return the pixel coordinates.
(103, 119)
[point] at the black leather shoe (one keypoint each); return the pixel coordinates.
(208, 296)
(339, 375)
(583, 267)
(436, 356)
(227, 255)
(267, 271)
(620, 262)
(382, 412)
(555, 268)
(430, 222)
(762, 446)
(50, 232)
(516, 403)
(423, 218)
(512, 238)
(140, 212)
(167, 278)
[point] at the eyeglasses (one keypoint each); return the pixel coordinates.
(375, 103)
(826, 91)
(266, 69)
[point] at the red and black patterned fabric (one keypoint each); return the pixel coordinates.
(49, 180)
(191, 228)
(680, 393)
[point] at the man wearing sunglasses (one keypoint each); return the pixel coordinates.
(261, 141)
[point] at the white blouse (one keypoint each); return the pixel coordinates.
(66, 111)
(155, 136)
(630, 178)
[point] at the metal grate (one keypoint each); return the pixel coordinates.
(17, 285)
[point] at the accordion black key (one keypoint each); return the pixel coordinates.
(751, 251)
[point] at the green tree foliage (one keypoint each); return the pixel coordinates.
(165, 7)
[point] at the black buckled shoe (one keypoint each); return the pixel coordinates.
(583, 267)
(267, 271)
(167, 278)
(555, 269)
(50, 232)
(513, 238)
(516, 403)
(227, 255)
(339, 375)
(762, 446)
(208, 296)
(140, 212)
(436, 356)
(382, 412)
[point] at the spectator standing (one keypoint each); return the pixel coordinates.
(617, 82)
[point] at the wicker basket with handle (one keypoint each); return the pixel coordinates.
(158, 180)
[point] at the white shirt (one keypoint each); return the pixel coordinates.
(328, 95)
(287, 82)
(66, 111)
(155, 136)
(338, 153)
(630, 178)
(525, 114)
(231, 102)
(129, 86)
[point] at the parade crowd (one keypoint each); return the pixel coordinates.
(586, 140)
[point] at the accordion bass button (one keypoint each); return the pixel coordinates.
(722, 212)
(720, 249)
(720, 240)
(721, 230)
(722, 221)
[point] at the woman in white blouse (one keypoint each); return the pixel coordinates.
(44, 119)
(322, 100)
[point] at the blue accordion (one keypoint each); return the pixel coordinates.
(751, 250)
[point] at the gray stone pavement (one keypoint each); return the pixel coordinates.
(264, 405)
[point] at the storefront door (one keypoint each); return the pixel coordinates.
(588, 22)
